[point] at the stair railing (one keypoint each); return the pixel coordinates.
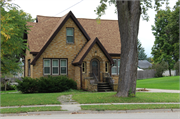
(94, 77)
(109, 79)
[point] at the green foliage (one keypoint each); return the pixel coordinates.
(141, 52)
(145, 5)
(130, 93)
(166, 32)
(13, 27)
(56, 84)
(160, 68)
(8, 87)
(28, 85)
(176, 67)
(46, 84)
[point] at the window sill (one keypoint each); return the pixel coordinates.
(70, 43)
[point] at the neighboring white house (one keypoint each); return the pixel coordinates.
(166, 73)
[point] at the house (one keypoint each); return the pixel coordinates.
(144, 64)
(79, 48)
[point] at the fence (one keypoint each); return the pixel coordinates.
(10, 79)
(144, 74)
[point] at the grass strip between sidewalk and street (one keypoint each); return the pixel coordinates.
(30, 109)
(19, 99)
(129, 107)
(141, 97)
(169, 83)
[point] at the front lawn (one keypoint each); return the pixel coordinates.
(30, 109)
(141, 97)
(171, 82)
(129, 107)
(20, 99)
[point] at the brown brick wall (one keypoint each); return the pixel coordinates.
(58, 48)
(27, 57)
(91, 55)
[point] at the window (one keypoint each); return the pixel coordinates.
(47, 67)
(84, 67)
(29, 67)
(70, 35)
(55, 66)
(115, 67)
(63, 66)
(106, 67)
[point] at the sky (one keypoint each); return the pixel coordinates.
(85, 9)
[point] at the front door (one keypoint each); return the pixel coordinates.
(95, 67)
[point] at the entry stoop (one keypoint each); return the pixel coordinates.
(104, 87)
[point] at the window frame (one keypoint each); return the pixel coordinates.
(29, 67)
(68, 35)
(84, 71)
(49, 67)
(63, 66)
(116, 66)
(55, 66)
(106, 67)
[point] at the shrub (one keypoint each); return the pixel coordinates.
(56, 84)
(46, 84)
(160, 68)
(27, 85)
(8, 87)
(176, 67)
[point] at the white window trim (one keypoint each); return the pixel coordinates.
(107, 67)
(55, 66)
(116, 67)
(70, 35)
(63, 66)
(44, 67)
(84, 67)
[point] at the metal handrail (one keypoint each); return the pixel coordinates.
(95, 78)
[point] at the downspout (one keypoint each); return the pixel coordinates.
(80, 75)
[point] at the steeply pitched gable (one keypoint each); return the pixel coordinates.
(55, 31)
(86, 50)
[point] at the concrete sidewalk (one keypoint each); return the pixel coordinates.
(77, 107)
(159, 90)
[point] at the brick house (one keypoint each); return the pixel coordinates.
(85, 51)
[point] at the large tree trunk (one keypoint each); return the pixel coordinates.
(128, 18)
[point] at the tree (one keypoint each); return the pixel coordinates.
(13, 27)
(166, 32)
(141, 52)
(128, 18)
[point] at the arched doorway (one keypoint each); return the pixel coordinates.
(95, 68)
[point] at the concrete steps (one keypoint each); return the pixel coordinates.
(104, 87)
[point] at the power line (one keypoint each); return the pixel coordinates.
(69, 7)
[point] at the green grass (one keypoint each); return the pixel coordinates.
(129, 107)
(140, 98)
(30, 109)
(9, 91)
(33, 99)
(171, 82)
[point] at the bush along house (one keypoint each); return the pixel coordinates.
(82, 49)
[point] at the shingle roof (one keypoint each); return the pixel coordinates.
(107, 32)
(144, 64)
(87, 48)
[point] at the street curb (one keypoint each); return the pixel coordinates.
(91, 112)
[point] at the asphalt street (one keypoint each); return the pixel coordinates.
(159, 115)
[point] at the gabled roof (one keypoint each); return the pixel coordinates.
(86, 50)
(144, 64)
(55, 31)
